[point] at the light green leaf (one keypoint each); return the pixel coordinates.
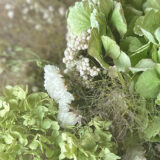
(8, 139)
(148, 35)
(98, 21)
(157, 101)
(123, 62)
(34, 144)
(152, 4)
(140, 54)
(95, 48)
(79, 17)
(105, 6)
(138, 24)
(4, 108)
(55, 125)
(157, 34)
(148, 84)
(107, 155)
(153, 128)
(15, 92)
(46, 124)
(118, 20)
(111, 48)
(131, 44)
(143, 65)
(150, 22)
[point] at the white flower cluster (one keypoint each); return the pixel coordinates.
(56, 88)
(10, 10)
(73, 59)
(46, 14)
(33, 12)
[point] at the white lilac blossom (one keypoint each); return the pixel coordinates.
(10, 14)
(38, 27)
(75, 61)
(8, 6)
(56, 88)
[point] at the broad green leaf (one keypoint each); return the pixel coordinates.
(111, 48)
(79, 17)
(152, 4)
(139, 54)
(153, 128)
(157, 34)
(148, 84)
(150, 22)
(105, 6)
(98, 21)
(95, 48)
(123, 62)
(118, 20)
(148, 35)
(143, 65)
(131, 44)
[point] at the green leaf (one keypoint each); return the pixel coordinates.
(111, 48)
(138, 24)
(148, 35)
(79, 17)
(15, 92)
(8, 139)
(152, 4)
(98, 21)
(157, 34)
(150, 22)
(107, 155)
(34, 145)
(148, 84)
(46, 124)
(143, 65)
(153, 128)
(123, 62)
(118, 20)
(140, 54)
(105, 6)
(4, 108)
(157, 101)
(131, 44)
(95, 48)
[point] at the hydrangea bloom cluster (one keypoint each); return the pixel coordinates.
(56, 88)
(74, 60)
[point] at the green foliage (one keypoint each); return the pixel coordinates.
(79, 17)
(118, 20)
(29, 130)
(148, 84)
